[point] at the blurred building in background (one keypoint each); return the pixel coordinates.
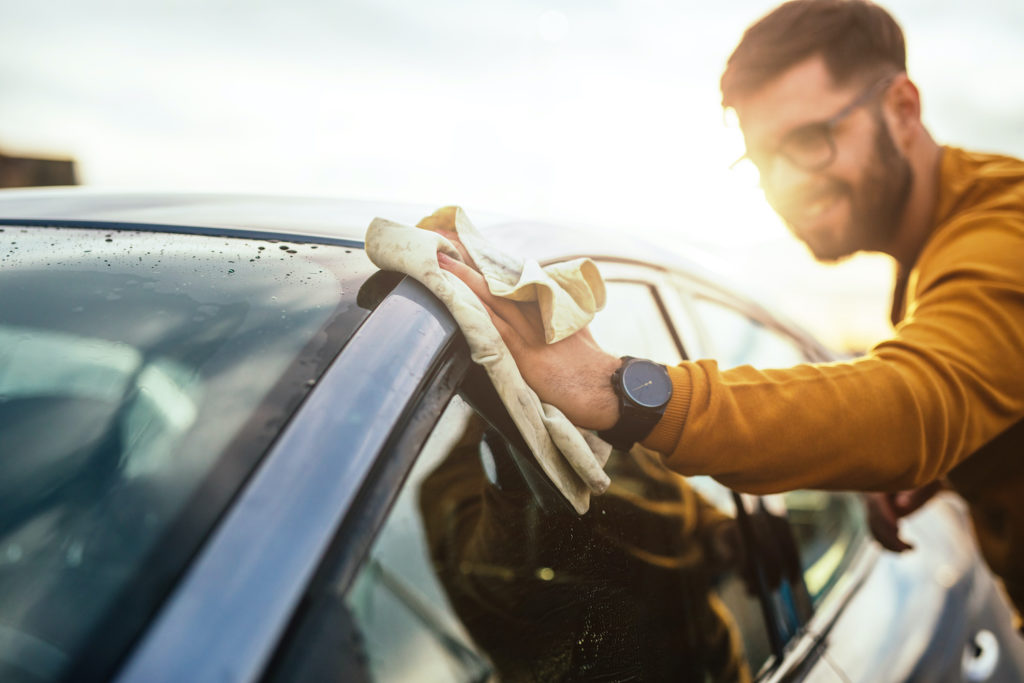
(21, 171)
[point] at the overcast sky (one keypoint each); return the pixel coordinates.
(599, 112)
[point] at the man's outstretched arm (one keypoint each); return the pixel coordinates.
(898, 418)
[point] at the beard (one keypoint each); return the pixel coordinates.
(876, 203)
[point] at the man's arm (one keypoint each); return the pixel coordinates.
(900, 418)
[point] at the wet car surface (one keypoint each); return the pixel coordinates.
(232, 449)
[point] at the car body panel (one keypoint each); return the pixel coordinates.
(931, 602)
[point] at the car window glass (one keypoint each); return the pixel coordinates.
(130, 363)
(470, 578)
(397, 601)
(632, 324)
(827, 527)
(736, 339)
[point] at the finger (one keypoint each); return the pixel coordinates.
(507, 310)
(884, 523)
(906, 502)
(453, 237)
(887, 534)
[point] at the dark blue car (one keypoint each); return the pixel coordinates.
(231, 449)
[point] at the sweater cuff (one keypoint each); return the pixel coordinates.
(666, 434)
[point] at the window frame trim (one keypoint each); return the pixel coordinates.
(271, 540)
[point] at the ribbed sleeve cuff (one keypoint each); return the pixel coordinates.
(669, 430)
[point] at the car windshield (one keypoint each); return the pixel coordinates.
(142, 375)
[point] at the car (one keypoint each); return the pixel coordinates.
(233, 449)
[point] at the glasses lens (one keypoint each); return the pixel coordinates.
(809, 147)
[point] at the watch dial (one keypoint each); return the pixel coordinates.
(647, 384)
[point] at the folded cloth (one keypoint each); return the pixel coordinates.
(567, 296)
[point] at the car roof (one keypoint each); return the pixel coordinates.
(341, 220)
(330, 217)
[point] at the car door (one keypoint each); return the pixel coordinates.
(461, 562)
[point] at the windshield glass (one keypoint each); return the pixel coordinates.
(141, 377)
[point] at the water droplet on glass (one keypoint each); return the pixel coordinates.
(74, 554)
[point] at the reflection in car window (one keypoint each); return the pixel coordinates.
(736, 339)
(131, 365)
(471, 579)
(632, 324)
(828, 527)
(397, 603)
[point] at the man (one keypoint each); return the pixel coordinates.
(833, 124)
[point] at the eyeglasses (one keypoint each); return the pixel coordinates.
(812, 146)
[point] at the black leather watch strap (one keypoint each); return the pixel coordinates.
(637, 414)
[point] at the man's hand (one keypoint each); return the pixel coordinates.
(886, 509)
(572, 374)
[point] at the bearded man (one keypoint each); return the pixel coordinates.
(833, 124)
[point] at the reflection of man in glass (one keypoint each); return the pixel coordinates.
(622, 592)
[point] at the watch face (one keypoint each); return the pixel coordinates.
(647, 384)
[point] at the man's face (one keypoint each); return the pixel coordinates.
(854, 203)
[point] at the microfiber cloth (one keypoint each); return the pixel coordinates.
(567, 296)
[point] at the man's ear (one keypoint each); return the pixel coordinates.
(902, 105)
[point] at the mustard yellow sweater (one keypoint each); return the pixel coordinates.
(919, 406)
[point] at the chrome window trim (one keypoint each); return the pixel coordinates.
(226, 615)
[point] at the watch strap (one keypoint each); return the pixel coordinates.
(635, 421)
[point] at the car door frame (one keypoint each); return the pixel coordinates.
(224, 619)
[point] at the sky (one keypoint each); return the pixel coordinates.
(599, 113)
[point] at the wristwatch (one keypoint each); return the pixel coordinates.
(644, 389)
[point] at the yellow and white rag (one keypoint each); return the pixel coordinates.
(567, 295)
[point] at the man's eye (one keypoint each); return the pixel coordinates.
(807, 140)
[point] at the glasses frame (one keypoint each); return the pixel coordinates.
(827, 126)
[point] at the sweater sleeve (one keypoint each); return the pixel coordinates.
(950, 380)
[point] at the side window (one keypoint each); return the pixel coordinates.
(632, 324)
(473, 576)
(397, 603)
(738, 340)
(827, 526)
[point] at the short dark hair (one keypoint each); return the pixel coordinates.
(857, 39)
